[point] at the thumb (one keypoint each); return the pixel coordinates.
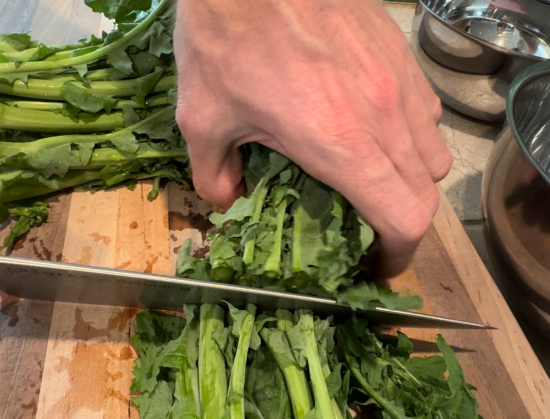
(210, 130)
(217, 172)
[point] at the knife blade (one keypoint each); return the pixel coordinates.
(56, 281)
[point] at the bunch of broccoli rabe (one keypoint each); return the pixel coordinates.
(291, 233)
(243, 364)
(92, 115)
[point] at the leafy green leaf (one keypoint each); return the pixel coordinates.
(157, 404)
(125, 141)
(266, 390)
(367, 293)
(334, 381)
(147, 85)
(29, 217)
(120, 60)
(86, 99)
(145, 62)
(120, 11)
(430, 367)
(13, 42)
(160, 41)
(190, 267)
(82, 69)
(42, 52)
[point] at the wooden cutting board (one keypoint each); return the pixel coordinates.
(68, 361)
(60, 360)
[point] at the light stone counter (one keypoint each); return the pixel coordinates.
(470, 142)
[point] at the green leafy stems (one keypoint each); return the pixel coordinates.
(291, 233)
(11, 71)
(299, 366)
(212, 372)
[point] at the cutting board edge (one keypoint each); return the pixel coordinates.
(529, 377)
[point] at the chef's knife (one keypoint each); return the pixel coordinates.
(55, 281)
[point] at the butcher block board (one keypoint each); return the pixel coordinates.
(68, 361)
(62, 360)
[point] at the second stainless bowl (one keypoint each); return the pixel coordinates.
(516, 190)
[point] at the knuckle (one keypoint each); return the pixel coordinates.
(386, 90)
(437, 109)
(381, 169)
(443, 165)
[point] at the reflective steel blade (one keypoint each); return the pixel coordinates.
(54, 281)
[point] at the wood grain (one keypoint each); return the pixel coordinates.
(518, 357)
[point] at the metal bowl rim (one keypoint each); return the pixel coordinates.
(422, 4)
(522, 78)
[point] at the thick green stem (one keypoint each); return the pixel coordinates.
(51, 89)
(123, 42)
(102, 74)
(36, 105)
(192, 375)
(296, 236)
(273, 262)
(105, 156)
(335, 408)
(8, 149)
(50, 122)
(212, 373)
(295, 377)
(159, 100)
(30, 187)
(259, 194)
(66, 51)
(238, 371)
(323, 405)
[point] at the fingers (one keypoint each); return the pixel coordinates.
(396, 213)
(210, 130)
(399, 145)
(217, 177)
(429, 145)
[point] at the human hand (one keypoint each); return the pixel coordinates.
(332, 85)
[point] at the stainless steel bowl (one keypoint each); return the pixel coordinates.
(471, 50)
(516, 190)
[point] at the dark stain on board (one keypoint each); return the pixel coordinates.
(83, 330)
(9, 307)
(30, 406)
(124, 265)
(150, 263)
(448, 289)
(187, 202)
(42, 253)
(176, 221)
(133, 225)
(106, 240)
(18, 245)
